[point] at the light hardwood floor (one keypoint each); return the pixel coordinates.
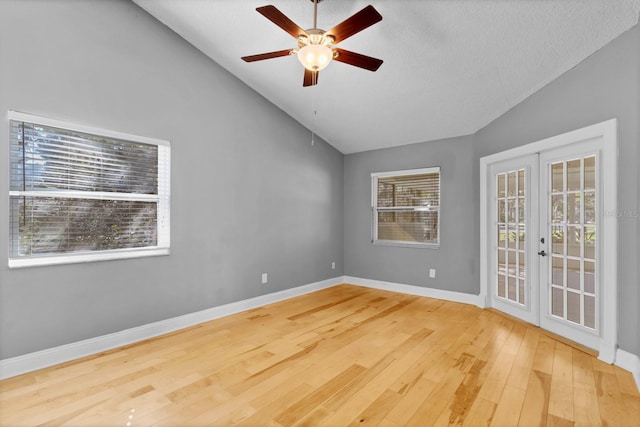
(342, 356)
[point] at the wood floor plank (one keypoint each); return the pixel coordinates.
(377, 410)
(315, 418)
(535, 407)
(410, 401)
(269, 412)
(510, 406)
(346, 355)
(561, 392)
(437, 401)
(585, 399)
(302, 407)
(480, 414)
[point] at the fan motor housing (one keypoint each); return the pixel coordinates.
(316, 36)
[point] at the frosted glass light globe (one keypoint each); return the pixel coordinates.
(315, 57)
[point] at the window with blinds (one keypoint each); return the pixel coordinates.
(80, 194)
(406, 207)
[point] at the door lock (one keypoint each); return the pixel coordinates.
(542, 253)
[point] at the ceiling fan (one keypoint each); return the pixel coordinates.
(316, 47)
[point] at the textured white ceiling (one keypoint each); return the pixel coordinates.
(450, 66)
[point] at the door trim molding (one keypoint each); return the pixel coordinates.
(607, 132)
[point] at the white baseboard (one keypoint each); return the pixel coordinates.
(629, 362)
(417, 290)
(64, 353)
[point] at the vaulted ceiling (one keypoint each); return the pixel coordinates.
(450, 66)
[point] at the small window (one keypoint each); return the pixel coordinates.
(79, 194)
(406, 207)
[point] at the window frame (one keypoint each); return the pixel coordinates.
(162, 199)
(374, 207)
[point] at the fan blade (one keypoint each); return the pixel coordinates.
(268, 55)
(281, 20)
(357, 59)
(356, 23)
(310, 78)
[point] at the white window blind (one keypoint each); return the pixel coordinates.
(79, 194)
(406, 207)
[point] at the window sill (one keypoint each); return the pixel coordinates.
(401, 244)
(86, 257)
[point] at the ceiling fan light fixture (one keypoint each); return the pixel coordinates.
(315, 57)
(317, 46)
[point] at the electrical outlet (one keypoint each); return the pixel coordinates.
(432, 273)
(264, 278)
(333, 265)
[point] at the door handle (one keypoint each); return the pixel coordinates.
(542, 253)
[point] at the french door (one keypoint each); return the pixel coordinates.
(547, 236)
(513, 194)
(570, 224)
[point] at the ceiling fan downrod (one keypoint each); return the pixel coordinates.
(315, 13)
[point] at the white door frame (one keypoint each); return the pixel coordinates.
(606, 137)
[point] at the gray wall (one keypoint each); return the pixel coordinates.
(456, 262)
(604, 86)
(249, 192)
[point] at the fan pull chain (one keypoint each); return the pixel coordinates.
(313, 126)
(315, 112)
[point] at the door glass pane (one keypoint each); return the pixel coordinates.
(589, 207)
(557, 208)
(511, 215)
(573, 208)
(512, 289)
(521, 265)
(590, 173)
(589, 311)
(557, 271)
(512, 239)
(511, 268)
(590, 242)
(573, 274)
(501, 211)
(511, 185)
(521, 291)
(573, 175)
(557, 239)
(501, 286)
(501, 184)
(521, 182)
(557, 177)
(573, 306)
(521, 210)
(502, 236)
(574, 240)
(557, 302)
(589, 277)
(522, 238)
